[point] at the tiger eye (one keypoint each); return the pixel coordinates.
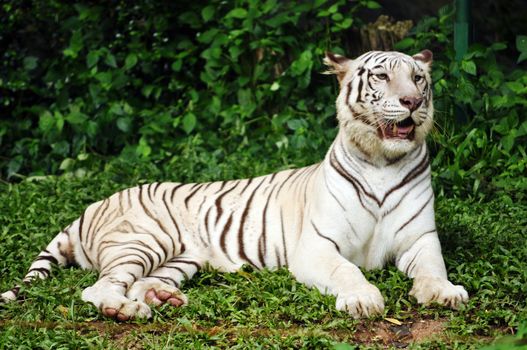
(382, 76)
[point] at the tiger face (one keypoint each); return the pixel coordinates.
(385, 103)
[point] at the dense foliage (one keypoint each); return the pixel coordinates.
(160, 80)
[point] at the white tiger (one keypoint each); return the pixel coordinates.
(368, 202)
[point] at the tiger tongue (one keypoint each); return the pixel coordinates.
(398, 132)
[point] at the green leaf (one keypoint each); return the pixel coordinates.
(275, 86)
(207, 13)
(521, 43)
(76, 44)
(176, 65)
(404, 44)
(515, 86)
(237, 13)
(67, 164)
(373, 5)
(346, 23)
(30, 62)
(92, 58)
(189, 122)
(130, 61)
(143, 149)
(522, 57)
(14, 166)
(110, 60)
(508, 141)
(76, 118)
(124, 124)
(207, 36)
(337, 17)
(302, 64)
(46, 122)
(469, 67)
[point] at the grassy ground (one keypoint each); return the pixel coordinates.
(484, 246)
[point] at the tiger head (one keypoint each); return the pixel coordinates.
(385, 104)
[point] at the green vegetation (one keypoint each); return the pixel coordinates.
(98, 98)
(483, 246)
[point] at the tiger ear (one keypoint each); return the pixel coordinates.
(424, 56)
(337, 64)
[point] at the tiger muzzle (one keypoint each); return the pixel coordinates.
(403, 130)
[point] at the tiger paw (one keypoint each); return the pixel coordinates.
(156, 293)
(438, 290)
(126, 311)
(115, 305)
(365, 301)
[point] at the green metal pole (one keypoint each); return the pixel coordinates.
(461, 28)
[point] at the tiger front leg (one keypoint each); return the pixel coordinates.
(424, 263)
(320, 264)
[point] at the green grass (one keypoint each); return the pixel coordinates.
(483, 243)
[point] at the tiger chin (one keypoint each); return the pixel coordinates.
(368, 202)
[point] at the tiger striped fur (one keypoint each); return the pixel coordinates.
(368, 202)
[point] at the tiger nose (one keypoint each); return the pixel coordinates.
(410, 102)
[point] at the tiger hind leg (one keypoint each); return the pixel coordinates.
(162, 285)
(121, 265)
(59, 252)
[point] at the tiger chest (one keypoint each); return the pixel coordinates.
(375, 214)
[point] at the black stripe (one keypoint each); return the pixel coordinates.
(187, 199)
(120, 200)
(249, 181)
(164, 279)
(51, 259)
(180, 240)
(283, 236)
(416, 214)
(107, 269)
(353, 178)
(293, 172)
(412, 174)
(92, 230)
(338, 168)
(42, 270)
(81, 222)
(262, 242)
(361, 83)
(217, 202)
(159, 223)
(207, 226)
(332, 194)
(221, 187)
(404, 196)
(178, 269)
(326, 237)
(182, 261)
(348, 93)
(241, 243)
(173, 192)
(156, 187)
(224, 236)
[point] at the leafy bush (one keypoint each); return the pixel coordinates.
(165, 81)
(144, 81)
(481, 108)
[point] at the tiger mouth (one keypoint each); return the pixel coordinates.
(403, 130)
